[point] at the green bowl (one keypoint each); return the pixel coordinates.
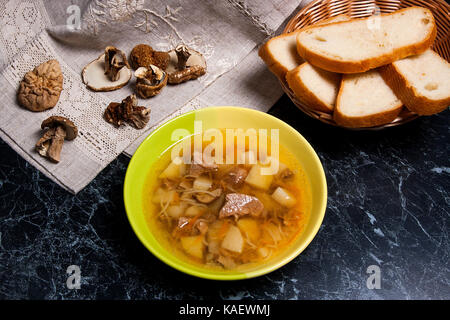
(159, 141)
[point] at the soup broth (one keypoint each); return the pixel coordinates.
(227, 216)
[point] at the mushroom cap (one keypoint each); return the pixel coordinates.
(195, 59)
(40, 88)
(157, 74)
(55, 121)
(150, 81)
(140, 72)
(95, 79)
(144, 55)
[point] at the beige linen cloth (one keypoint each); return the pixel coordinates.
(228, 33)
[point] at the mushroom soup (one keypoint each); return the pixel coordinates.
(227, 216)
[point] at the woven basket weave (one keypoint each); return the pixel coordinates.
(324, 9)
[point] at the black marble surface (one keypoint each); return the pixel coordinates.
(388, 206)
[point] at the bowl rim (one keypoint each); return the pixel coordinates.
(264, 269)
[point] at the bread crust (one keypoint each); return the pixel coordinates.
(338, 66)
(272, 63)
(363, 121)
(304, 93)
(408, 94)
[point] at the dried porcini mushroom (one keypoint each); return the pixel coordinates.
(57, 129)
(110, 71)
(115, 60)
(139, 117)
(190, 73)
(143, 55)
(127, 112)
(150, 81)
(40, 88)
(183, 55)
(185, 64)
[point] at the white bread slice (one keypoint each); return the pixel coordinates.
(359, 45)
(422, 82)
(315, 87)
(280, 53)
(365, 100)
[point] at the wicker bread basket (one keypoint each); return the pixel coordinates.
(324, 9)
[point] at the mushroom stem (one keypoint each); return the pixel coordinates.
(114, 62)
(54, 151)
(113, 71)
(44, 142)
(187, 74)
(183, 55)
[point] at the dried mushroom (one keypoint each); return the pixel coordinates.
(110, 71)
(115, 60)
(185, 64)
(139, 117)
(143, 55)
(183, 55)
(190, 73)
(57, 129)
(150, 82)
(40, 88)
(127, 112)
